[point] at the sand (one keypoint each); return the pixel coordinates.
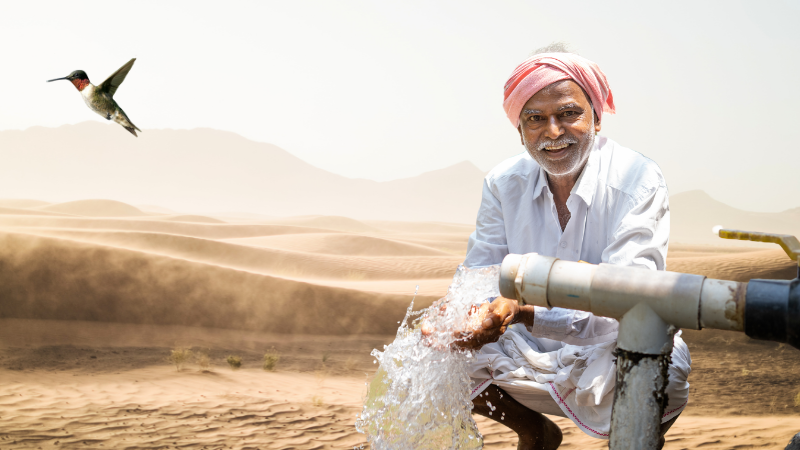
(93, 303)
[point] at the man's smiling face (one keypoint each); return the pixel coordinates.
(557, 126)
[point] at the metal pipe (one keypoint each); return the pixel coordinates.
(644, 346)
(683, 300)
(650, 305)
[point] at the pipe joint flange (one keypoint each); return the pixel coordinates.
(531, 280)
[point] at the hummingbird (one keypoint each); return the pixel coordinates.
(100, 98)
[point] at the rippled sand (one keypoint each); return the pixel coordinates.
(92, 305)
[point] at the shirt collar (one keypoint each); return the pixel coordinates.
(541, 183)
(587, 181)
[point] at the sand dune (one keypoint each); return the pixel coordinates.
(21, 203)
(294, 264)
(99, 385)
(94, 208)
(28, 212)
(92, 304)
(341, 244)
(743, 266)
(191, 218)
(59, 279)
(155, 224)
(200, 271)
(337, 223)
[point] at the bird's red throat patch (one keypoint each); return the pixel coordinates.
(80, 84)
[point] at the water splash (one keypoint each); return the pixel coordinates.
(419, 397)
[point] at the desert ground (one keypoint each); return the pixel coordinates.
(96, 296)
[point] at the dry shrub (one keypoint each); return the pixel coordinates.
(271, 359)
(797, 399)
(234, 361)
(180, 356)
(325, 356)
(203, 360)
(321, 373)
(316, 401)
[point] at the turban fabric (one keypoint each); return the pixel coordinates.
(544, 69)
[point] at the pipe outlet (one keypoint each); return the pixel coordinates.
(641, 330)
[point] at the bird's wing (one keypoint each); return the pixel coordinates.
(112, 83)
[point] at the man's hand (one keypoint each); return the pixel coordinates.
(496, 317)
(490, 321)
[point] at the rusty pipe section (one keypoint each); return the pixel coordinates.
(684, 300)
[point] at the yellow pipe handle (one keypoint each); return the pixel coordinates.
(788, 243)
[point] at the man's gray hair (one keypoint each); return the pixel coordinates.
(555, 47)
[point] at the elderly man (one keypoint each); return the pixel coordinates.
(576, 196)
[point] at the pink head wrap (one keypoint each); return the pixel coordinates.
(544, 69)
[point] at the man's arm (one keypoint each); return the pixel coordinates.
(487, 244)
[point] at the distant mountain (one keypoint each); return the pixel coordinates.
(693, 214)
(211, 170)
(204, 170)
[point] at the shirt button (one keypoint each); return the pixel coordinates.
(563, 245)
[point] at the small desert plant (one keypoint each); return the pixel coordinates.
(271, 359)
(321, 373)
(235, 362)
(180, 356)
(316, 401)
(202, 360)
(797, 399)
(325, 356)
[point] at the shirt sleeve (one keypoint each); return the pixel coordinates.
(641, 234)
(487, 244)
(572, 326)
(639, 239)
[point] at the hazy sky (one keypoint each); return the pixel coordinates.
(385, 90)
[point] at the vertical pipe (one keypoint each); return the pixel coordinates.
(644, 347)
(639, 401)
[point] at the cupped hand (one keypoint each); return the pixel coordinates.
(496, 317)
(490, 322)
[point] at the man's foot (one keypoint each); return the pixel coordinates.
(535, 431)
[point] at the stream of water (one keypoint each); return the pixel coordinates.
(419, 397)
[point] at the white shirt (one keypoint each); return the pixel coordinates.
(619, 215)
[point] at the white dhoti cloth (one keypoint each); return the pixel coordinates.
(572, 381)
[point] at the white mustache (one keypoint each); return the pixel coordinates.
(558, 143)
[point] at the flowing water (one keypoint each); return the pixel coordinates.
(419, 397)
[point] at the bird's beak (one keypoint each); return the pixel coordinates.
(56, 79)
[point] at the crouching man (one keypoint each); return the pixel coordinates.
(576, 196)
